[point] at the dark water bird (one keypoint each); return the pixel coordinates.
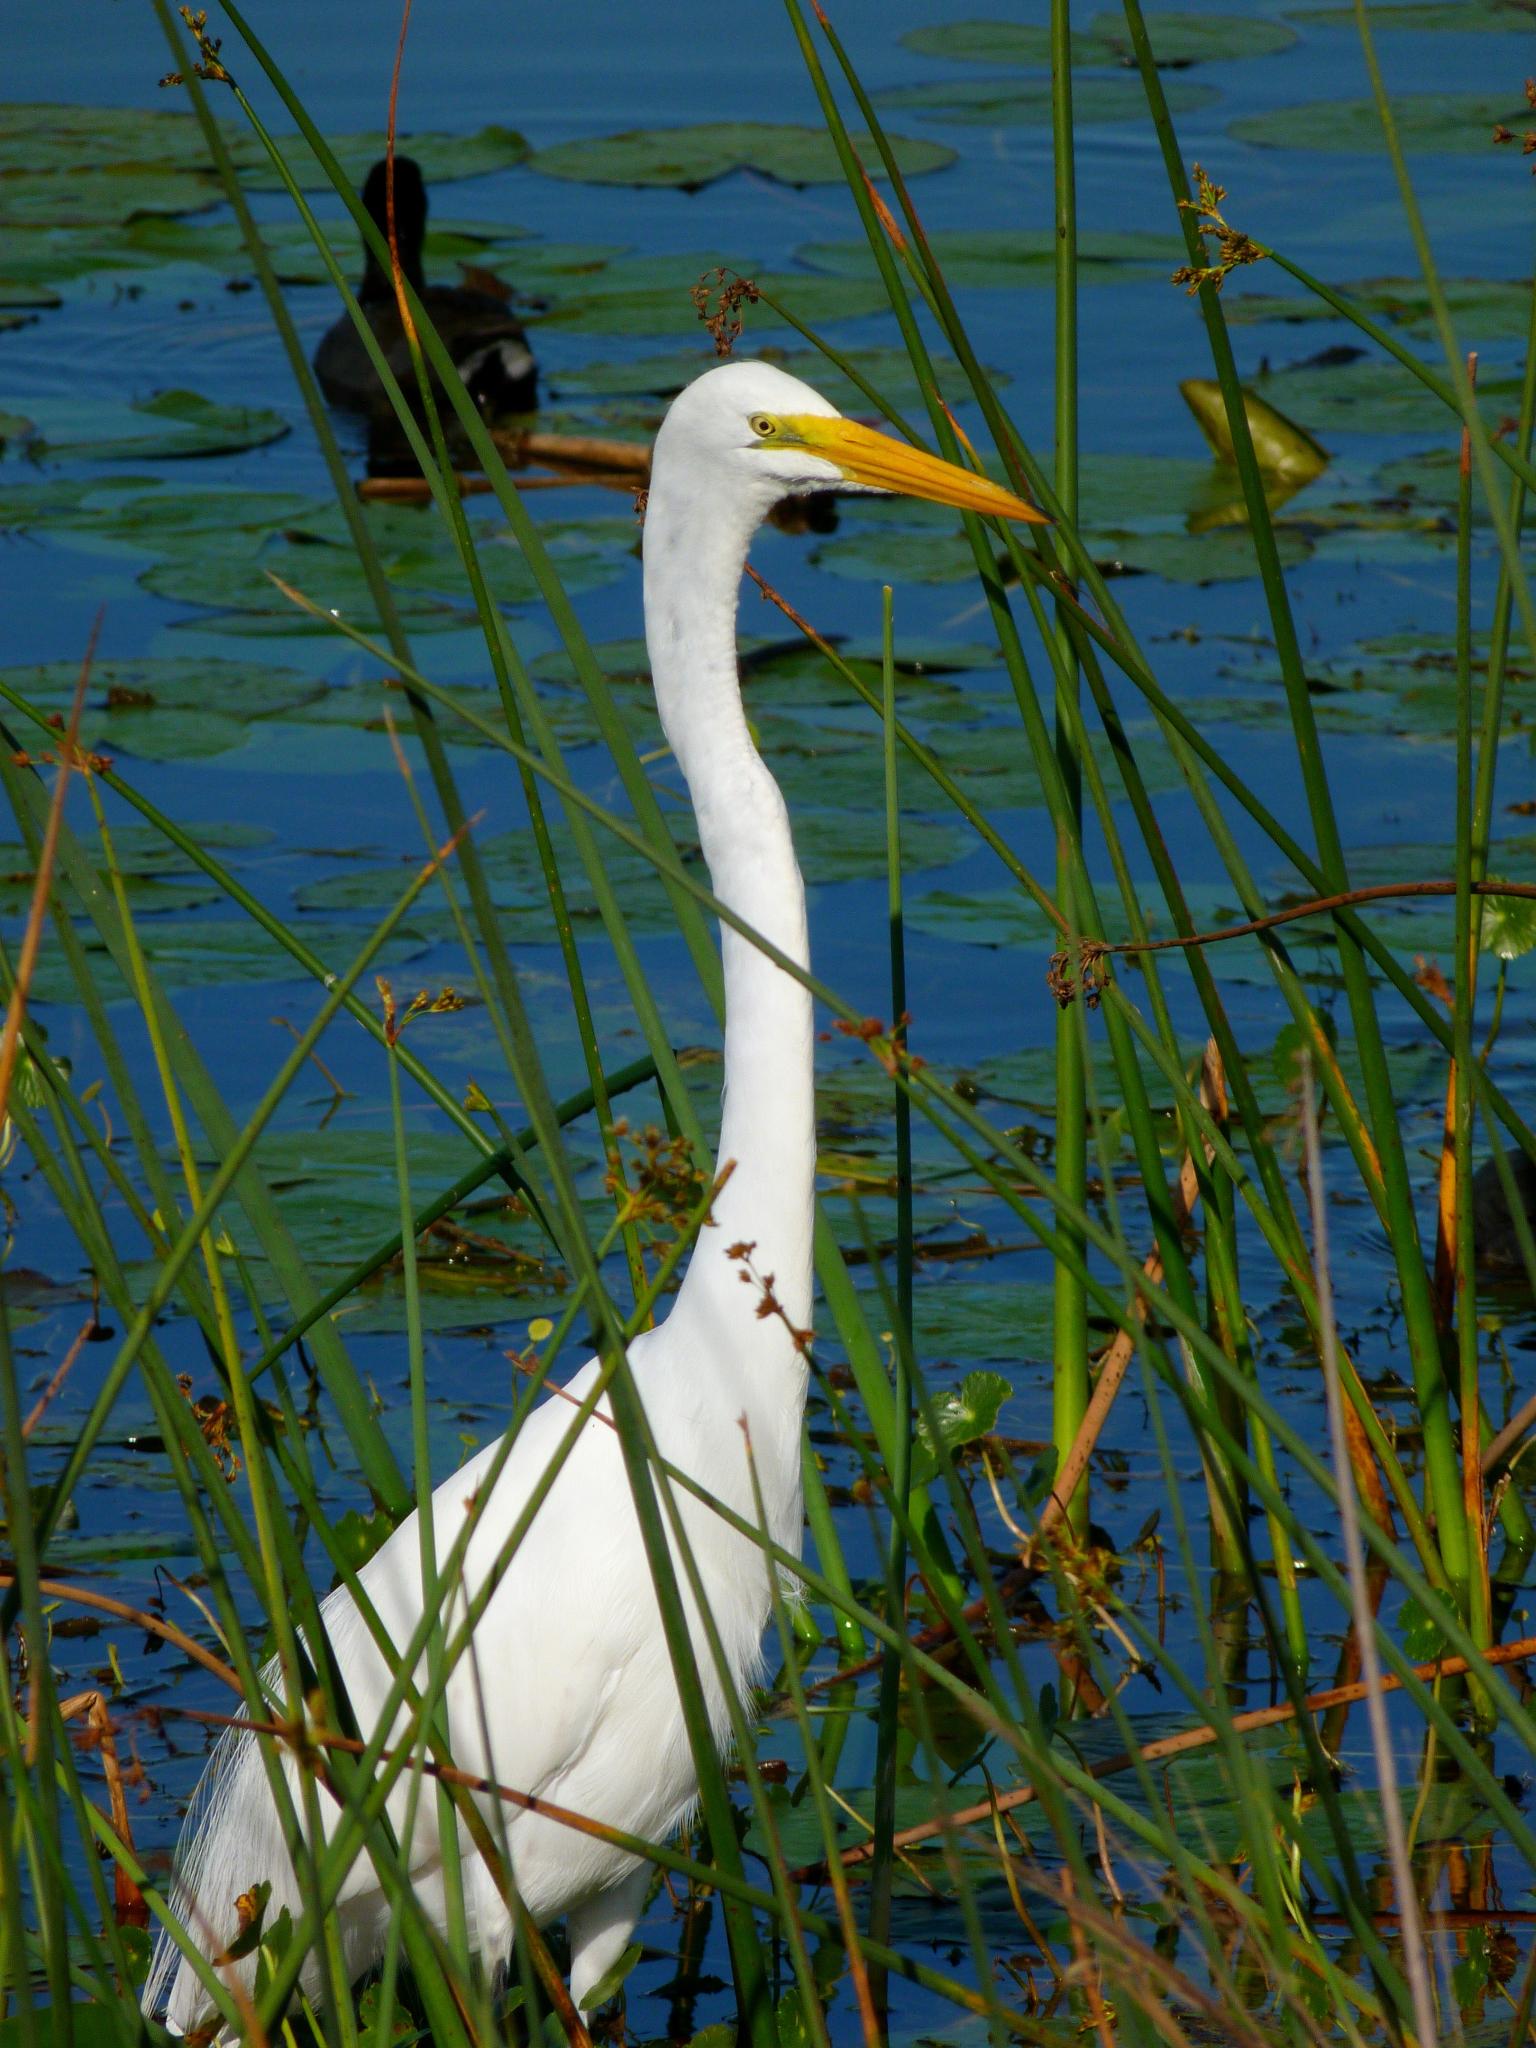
(484, 338)
(1494, 1231)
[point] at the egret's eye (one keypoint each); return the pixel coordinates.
(764, 426)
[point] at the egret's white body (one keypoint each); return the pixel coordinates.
(569, 1692)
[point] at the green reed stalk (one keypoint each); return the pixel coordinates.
(839, 1295)
(1084, 911)
(232, 1165)
(1463, 1303)
(1430, 1390)
(32, 1753)
(1461, 383)
(1120, 651)
(886, 1720)
(1069, 1384)
(1503, 613)
(432, 1591)
(525, 1064)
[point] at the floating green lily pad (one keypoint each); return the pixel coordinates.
(691, 157)
(1026, 102)
(511, 864)
(1013, 256)
(834, 846)
(1375, 395)
(16, 293)
(220, 246)
(212, 952)
(145, 852)
(442, 157)
(888, 370)
(37, 259)
(330, 577)
(1460, 16)
(147, 897)
(169, 426)
(650, 295)
(168, 708)
(102, 196)
(49, 136)
(1147, 514)
(427, 578)
(1378, 689)
(1177, 39)
(1450, 122)
(1429, 480)
(1508, 927)
(42, 137)
(1482, 309)
(143, 513)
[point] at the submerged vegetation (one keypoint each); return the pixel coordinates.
(1157, 1666)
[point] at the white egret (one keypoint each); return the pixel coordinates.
(571, 1693)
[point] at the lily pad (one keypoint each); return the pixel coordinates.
(1144, 514)
(39, 140)
(146, 854)
(969, 1320)
(1461, 16)
(168, 708)
(834, 846)
(103, 196)
(1014, 256)
(1447, 122)
(169, 426)
(1508, 926)
(38, 297)
(220, 246)
(442, 157)
(1026, 102)
(213, 952)
(1482, 309)
(147, 897)
(1346, 391)
(1177, 40)
(650, 295)
(47, 136)
(423, 569)
(37, 258)
(330, 577)
(960, 1416)
(889, 370)
(692, 157)
(511, 864)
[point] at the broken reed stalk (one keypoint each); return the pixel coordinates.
(1117, 1359)
(128, 1901)
(577, 459)
(69, 760)
(1091, 951)
(152, 1624)
(1166, 1747)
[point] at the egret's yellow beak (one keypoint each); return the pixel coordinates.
(866, 457)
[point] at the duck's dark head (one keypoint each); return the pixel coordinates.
(410, 224)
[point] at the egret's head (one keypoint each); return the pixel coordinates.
(773, 437)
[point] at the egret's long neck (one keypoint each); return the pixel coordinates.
(695, 548)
